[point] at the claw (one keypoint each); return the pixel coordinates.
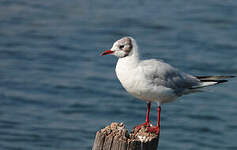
(155, 130)
(146, 124)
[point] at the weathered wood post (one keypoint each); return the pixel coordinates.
(116, 137)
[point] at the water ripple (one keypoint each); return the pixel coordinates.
(55, 87)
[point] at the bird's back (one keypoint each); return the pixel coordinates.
(163, 74)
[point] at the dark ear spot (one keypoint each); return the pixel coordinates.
(127, 44)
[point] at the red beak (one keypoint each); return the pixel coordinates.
(106, 52)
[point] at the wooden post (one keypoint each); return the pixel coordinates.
(115, 137)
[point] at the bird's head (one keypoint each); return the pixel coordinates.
(121, 48)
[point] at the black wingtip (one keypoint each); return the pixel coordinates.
(214, 77)
(221, 81)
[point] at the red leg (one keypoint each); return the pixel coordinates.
(148, 112)
(157, 128)
(147, 123)
(158, 116)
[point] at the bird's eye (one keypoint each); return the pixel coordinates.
(121, 46)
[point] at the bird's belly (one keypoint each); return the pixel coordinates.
(149, 92)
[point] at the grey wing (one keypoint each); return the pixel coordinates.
(162, 74)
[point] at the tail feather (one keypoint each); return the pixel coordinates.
(213, 77)
(211, 80)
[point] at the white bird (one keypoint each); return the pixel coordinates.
(154, 80)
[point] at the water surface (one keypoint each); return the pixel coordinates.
(56, 91)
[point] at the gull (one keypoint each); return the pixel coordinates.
(154, 80)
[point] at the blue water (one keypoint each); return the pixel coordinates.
(56, 91)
